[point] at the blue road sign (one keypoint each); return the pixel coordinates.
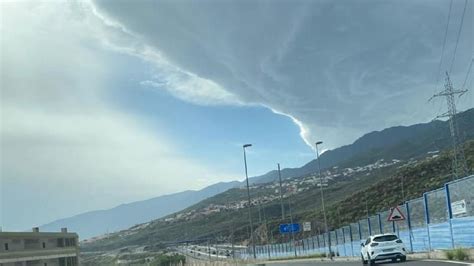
(289, 228)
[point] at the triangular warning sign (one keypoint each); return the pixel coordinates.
(395, 215)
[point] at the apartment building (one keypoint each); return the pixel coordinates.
(39, 248)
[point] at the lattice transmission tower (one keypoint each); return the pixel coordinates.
(459, 166)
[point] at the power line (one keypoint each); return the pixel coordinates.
(467, 74)
(459, 35)
(444, 43)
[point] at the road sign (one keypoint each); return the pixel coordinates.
(459, 207)
(395, 215)
(289, 228)
(306, 226)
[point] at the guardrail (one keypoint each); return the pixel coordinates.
(441, 219)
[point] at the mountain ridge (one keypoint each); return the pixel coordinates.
(93, 223)
(432, 135)
(399, 142)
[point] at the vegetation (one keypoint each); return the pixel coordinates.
(146, 258)
(346, 202)
(168, 260)
(457, 254)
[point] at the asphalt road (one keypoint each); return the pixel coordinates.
(357, 263)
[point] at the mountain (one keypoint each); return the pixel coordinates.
(346, 202)
(419, 154)
(401, 142)
(99, 222)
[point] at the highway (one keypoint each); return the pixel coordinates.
(358, 263)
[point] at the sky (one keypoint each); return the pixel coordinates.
(107, 102)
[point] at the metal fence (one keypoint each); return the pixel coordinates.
(441, 219)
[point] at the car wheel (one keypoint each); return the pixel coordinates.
(403, 259)
(363, 261)
(371, 261)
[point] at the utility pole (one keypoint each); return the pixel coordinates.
(322, 198)
(459, 166)
(281, 194)
(252, 238)
(292, 231)
(266, 231)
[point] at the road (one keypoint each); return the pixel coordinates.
(357, 263)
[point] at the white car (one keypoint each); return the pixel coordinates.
(383, 247)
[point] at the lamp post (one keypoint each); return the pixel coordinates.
(248, 195)
(322, 199)
(281, 195)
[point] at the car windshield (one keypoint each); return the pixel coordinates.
(385, 238)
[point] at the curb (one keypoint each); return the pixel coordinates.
(451, 261)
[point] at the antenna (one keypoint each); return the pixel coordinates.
(459, 166)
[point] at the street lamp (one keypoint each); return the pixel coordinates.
(322, 198)
(248, 195)
(281, 195)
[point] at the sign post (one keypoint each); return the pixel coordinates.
(395, 216)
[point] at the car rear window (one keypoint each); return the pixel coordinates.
(385, 238)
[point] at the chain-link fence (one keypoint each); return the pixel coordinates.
(441, 219)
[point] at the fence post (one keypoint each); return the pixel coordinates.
(360, 231)
(450, 212)
(427, 219)
(344, 241)
(370, 226)
(410, 233)
(380, 223)
(352, 240)
(324, 242)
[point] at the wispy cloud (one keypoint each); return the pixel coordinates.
(58, 131)
(336, 69)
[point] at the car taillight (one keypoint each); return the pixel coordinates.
(374, 244)
(399, 241)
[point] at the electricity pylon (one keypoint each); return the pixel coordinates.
(459, 166)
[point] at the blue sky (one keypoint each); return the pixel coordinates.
(107, 102)
(215, 134)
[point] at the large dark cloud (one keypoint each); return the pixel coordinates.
(340, 68)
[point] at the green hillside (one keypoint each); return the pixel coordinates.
(345, 198)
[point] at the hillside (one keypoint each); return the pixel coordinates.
(345, 200)
(400, 143)
(100, 222)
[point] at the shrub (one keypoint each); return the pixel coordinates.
(449, 254)
(461, 254)
(457, 254)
